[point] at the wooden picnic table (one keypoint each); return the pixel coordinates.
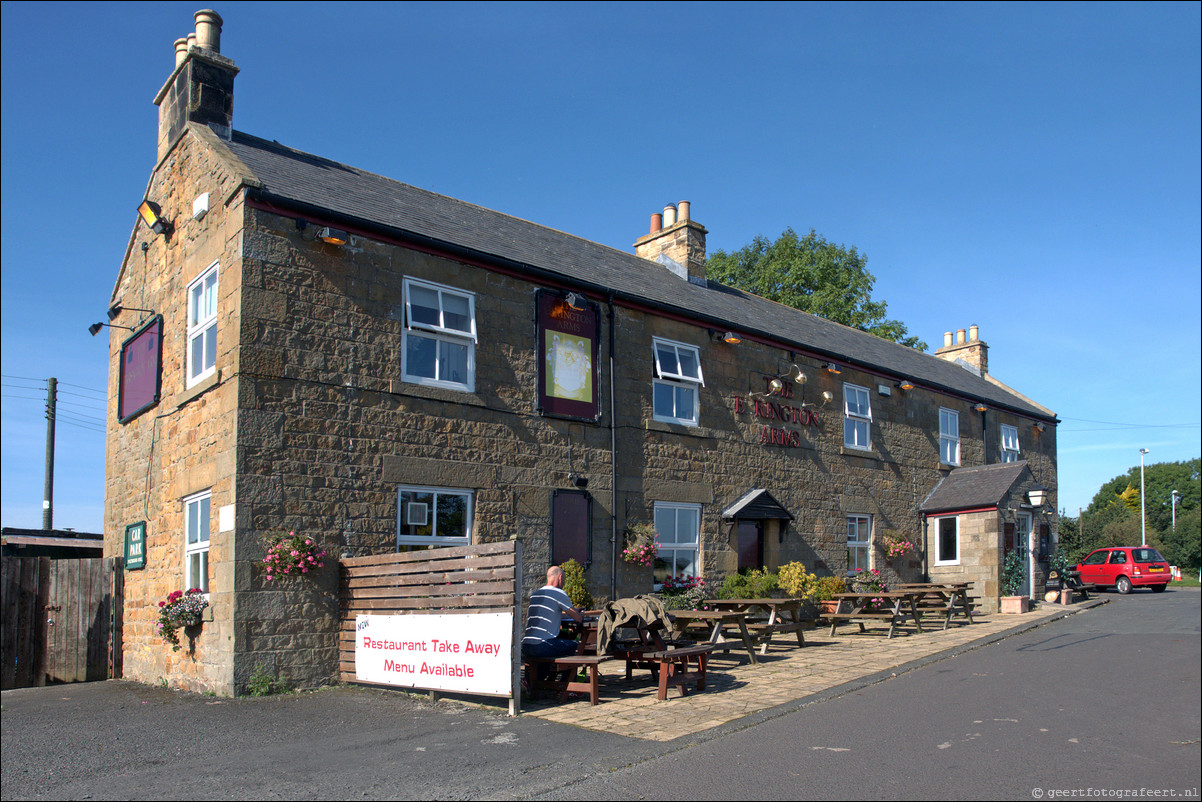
(877, 606)
(782, 615)
(717, 621)
(943, 598)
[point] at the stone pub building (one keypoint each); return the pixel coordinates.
(312, 347)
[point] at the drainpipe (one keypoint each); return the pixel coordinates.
(613, 460)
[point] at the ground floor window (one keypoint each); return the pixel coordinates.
(433, 516)
(196, 541)
(678, 532)
(947, 541)
(859, 542)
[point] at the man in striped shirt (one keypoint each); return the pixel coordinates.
(547, 606)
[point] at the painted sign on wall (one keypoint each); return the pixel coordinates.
(463, 653)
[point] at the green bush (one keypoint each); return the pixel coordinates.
(754, 584)
(575, 585)
(1013, 574)
(825, 588)
(263, 684)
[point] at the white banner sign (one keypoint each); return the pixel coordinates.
(466, 653)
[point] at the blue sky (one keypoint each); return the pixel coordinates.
(1029, 168)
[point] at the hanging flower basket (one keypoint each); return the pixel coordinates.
(180, 609)
(293, 554)
(896, 544)
(641, 547)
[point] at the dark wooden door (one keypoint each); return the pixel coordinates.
(751, 544)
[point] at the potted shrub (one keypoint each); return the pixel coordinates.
(825, 590)
(1013, 576)
(575, 585)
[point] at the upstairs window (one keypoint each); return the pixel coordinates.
(678, 378)
(857, 417)
(440, 336)
(949, 437)
(202, 326)
(1009, 443)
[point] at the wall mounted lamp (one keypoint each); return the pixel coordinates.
(775, 387)
(800, 378)
(95, 328)
(906, 384)
(575, 301)
(1039, 427)
(831, 367)
(1037, 495)
(152, 215)
(827, 397)
(578, 480)
(327, 234)
(117, 309)
(981, 408)
(726, 336)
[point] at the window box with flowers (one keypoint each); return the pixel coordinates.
(292, 554)
(180, 609)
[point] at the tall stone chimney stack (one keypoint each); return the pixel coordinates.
(676, 242)
(972, 349)
(201, 88)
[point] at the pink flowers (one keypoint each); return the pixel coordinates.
(293, 553)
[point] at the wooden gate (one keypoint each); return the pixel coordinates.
(61, 620)
(447, 580)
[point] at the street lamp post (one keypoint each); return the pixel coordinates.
(1174, 498)
(1143, 518)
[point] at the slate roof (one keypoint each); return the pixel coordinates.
(757, 504)
(302, 181)
(970, 488)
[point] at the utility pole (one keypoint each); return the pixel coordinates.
(48, 487)
(1143, 518)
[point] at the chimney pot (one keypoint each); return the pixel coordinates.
(683, 211)
(959, 336)
(669, 215)
(947, 339)
(973, 332)
(208, 29)
(181, 50)
(657, 222)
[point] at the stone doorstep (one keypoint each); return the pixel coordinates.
(637, 713)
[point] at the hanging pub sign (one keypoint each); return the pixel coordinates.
(135, 546)
(568, 372)
(139, 383)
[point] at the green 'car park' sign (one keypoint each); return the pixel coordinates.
(135, 546)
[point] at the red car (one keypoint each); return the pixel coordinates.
(1125, 567)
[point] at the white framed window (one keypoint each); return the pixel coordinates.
(949, 437)
(675, 389)
(859, 542)
(433, 516)
(947, 541)
(678, 532)
(857, 417)
(196, 541)
(1009, 443)
(439, 341)
(202, 326)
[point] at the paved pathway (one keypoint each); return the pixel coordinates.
(735, 689)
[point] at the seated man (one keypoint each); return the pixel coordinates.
(547, 606)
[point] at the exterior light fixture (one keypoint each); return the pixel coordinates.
(980, 408)
(831, 367)
(906, 384)
(1037, 495)
(117, 309)
(152, 216)
(731, 338)
(800, 378)
(827, 396)
(775, 387)
(327, 234)
(575, 301)
(1039, 427)
(95, 328)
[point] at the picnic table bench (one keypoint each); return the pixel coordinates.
(945, 599)
(877, 606)
(717, 622)
(776, 616)
(571, 663)
(672, 668)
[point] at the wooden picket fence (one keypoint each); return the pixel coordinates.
(450, 580)
(60, 620)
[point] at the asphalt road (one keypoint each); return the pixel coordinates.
(1107, 699)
